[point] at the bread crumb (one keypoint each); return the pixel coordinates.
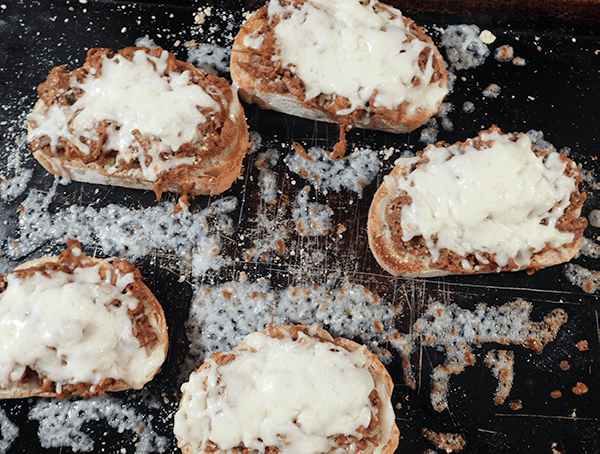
(504, 53)
(564, 365)
(556, 394)
(519, 61)
(492, 91)
(387, 153)
(280, 247)
(580, 388)
(201, 16)
(582, 345)
(468, 107)
(515, 405)
(487, 37)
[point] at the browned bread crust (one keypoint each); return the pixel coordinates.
(375, 367)
(218, 154)
(148, 318)
(413, 258)
(269, 84)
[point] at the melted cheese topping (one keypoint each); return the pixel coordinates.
(277, 392)
(489, 200)
(62, 326)
(349, 49)
(132, 95)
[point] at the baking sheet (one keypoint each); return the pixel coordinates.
(556, 92)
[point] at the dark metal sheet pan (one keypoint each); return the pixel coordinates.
(557, 92)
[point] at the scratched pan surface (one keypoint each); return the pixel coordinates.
(556, 92)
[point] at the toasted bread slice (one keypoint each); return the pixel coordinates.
(74, 325)
(142, 119)
(296, 389)
(355, 63)
(497, 202)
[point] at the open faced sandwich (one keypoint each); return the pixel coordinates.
(288, 389)
(497, 202)
(139, 118)
(73, 325)
(357, 63)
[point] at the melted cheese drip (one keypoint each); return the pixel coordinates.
(490, 200)
(277, 392)
(132, 95)
(350, 50)
(60, 325)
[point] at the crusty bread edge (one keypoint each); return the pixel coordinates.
(379, 234)
(381, 377)
(154, 312)
(253, 91)
(406, 265)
